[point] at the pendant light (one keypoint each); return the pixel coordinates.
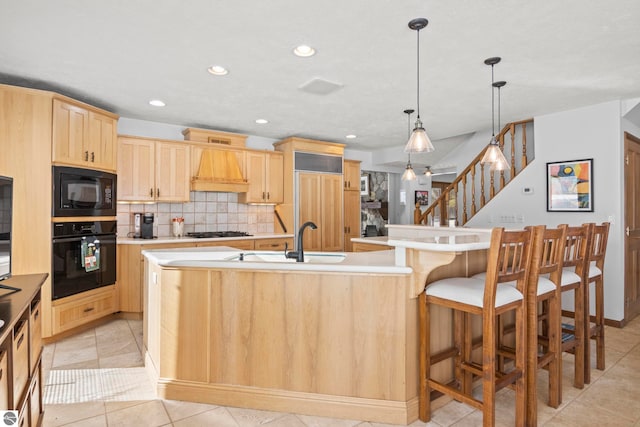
(418, 141)
(427, 171)
(409, 174)
(493, 155)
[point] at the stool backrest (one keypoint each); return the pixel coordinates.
(508, 261)
(598, 244)
(547, 256)
(576, 246)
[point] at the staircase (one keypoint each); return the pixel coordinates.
(477, 184)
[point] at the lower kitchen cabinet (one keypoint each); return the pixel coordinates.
(130, 264)
(76, 310)
(21, 350)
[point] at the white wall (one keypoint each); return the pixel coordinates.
(589, 132)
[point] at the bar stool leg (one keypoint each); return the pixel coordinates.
(425, 359)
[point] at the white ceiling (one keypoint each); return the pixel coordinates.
(557, 55)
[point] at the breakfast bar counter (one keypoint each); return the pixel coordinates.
(336, 335)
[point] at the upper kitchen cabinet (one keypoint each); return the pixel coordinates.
(264, 173)
(351, 175)
(152, 170)
(83, 136)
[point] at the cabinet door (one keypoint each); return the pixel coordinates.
(136, 169)
(275, 244)
(255, 174)
(351, 175)
(332, 223)
(309, 209)
(274, 177)
(102, 140)
(172, 172)
(351, 218)
(4, 381)
(70, 131)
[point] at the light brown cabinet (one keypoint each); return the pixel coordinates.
(83, 137)
(320, 201)
(21, 351)
(351, 179)
(351, 175)
(273, 244)
(76, 310)
(152, 170)
(264, 173)
(130, 264)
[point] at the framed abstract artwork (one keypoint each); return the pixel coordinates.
(422, 197)
(570, 186)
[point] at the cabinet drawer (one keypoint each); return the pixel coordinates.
(273, 244)
(35, 398)
(20, 358)
(78, 310)
(23, 413)
(35, 323)
(237, 244)
(4, 381)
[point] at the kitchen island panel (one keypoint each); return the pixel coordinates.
(345, 342)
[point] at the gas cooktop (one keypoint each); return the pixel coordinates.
(213, 234)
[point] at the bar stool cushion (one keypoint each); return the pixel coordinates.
(544, 284)
(594, 271)
(468, 290)
(569, 276)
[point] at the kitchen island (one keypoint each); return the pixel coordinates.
(333, 336)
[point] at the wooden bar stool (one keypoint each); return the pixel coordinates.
(575, 258)
(544, 334)
(508, 260)
(594, 273)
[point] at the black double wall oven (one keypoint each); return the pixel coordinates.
(83, 245)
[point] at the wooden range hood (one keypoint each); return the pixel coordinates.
(219, 171)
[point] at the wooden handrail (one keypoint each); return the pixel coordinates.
(464, 207)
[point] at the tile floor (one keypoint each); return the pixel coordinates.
(97, 378)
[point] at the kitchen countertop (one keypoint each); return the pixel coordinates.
(382, 262)
(440, 239)
(185, 239)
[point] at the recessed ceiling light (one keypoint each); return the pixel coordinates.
(218, 70)
(350, 136)
(303, 50)
(262, 121)
(157, 103)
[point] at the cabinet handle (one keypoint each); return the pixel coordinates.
(93, 157)
(157, 192)
(1, 373)
(88, 309)
(268, 195)
(86, 156)
(263, 195)
(36, 314)
(275, 245)
(20, 341)
(151, 192)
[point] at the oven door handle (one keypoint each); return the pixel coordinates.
(110, 238)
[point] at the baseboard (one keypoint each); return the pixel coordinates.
(608, 322)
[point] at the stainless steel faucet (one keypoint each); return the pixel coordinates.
(299, 254)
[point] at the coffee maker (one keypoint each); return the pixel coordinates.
(146, 226)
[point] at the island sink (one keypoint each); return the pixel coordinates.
(273, 256)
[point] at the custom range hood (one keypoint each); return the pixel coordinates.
(219, 169)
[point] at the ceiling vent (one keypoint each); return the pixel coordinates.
(320, 86)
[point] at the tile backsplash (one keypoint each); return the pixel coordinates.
(206, 211)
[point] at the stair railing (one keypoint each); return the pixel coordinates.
(459, 200)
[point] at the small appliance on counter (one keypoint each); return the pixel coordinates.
(136, 221)
(146, 226)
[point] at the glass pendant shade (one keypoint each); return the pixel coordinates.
(409, 174)
(494, 156)
(427, 172)
(418, 141)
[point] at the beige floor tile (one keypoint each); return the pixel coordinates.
(288, 420)
(149, 414)
(311, 421)
(99, 421)
(581, 415)
(451, 413)
(179, 410)
(117, 405)
(82, 355)
(614, 396)
(218, 417)
(58, 415)
(115, 346)
(123, 360)
(252, 417)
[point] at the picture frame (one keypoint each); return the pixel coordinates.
(570, 186)
(422, 197)
(364, 185)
